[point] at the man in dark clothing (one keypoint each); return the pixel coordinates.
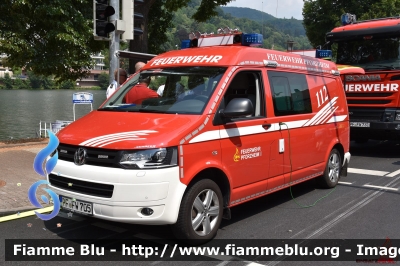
(140, 92)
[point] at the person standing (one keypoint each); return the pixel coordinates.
(114, 85)
(140, 92)
(139, 66)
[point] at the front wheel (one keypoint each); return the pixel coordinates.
(330, 178)
(200, 213)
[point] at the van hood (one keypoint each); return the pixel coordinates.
(127, 130)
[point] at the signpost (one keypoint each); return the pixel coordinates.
(82, 98)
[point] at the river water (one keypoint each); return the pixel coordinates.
(22, 110)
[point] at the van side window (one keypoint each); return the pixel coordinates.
(247, 84)
(290, 93)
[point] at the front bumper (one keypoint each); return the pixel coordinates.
(133, 190)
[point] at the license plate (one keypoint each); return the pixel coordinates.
(76, 205)
(359, 124)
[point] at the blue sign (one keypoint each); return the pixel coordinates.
(82, 97)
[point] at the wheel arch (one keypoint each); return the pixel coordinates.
(219, 177)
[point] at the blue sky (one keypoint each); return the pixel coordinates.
(285, 8)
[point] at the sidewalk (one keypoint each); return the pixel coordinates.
(17, 175)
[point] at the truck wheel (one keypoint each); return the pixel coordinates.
(330, 178)
(200, 213)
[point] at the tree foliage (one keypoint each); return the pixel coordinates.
(49, 37)
(275, 37)
(321, 16)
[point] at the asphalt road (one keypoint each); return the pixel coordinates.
(365, 205)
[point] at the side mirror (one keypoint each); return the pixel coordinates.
(237, 107)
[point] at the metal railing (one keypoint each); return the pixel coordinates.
(52, 126)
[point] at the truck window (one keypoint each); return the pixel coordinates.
(370, 54)
(290, 93)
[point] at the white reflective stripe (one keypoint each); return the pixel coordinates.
(294, 124)
(243, 131)
(322, 111)
(116, 136)
(326, 116)
(118, 140)
(337, 118)
(209, 135)
(326, 113)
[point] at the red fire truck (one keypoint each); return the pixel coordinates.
(373, 95)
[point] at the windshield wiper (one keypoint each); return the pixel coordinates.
(144, 110)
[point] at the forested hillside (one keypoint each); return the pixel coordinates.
(276, 32)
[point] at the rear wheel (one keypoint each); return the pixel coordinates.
(330, 178)
(200, 213)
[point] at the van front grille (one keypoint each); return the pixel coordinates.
(79, 186)
(95, 156)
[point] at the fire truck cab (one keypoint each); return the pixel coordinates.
(231, 123)
(373, 94)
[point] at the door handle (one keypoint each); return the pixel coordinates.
(266, 126)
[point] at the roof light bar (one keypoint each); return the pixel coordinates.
(225, 36)
(252, 39)
(324, 54)
(347, 19)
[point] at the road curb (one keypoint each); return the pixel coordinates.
(6, 212)
(22, 144)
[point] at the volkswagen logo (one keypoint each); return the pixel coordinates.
(80, 156)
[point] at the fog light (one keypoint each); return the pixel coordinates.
(147, 211)
(397, 116)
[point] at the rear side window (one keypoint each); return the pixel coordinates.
(290, 93)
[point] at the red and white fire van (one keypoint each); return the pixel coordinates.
(234, 123)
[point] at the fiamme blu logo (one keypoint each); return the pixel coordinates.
(43, 164)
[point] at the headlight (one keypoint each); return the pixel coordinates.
(150, 159)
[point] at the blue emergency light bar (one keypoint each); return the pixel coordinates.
(245, 39)
(324, 54)
(347, 19)
(185, 44)
(252, 39)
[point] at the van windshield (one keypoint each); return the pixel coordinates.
(183, 90)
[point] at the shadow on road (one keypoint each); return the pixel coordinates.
(379, 149)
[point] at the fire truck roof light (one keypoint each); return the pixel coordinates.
(325, 54)
(252, 39)
(347, 19)
(224, 36)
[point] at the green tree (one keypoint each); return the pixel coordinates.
(160, 19)
(67, 85)
(321, 16)
(49, 37)
(20, 84)
(34, 80)
(103, 81)
(8, 83)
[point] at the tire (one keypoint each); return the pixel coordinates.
(331, 175)
(201, 205)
